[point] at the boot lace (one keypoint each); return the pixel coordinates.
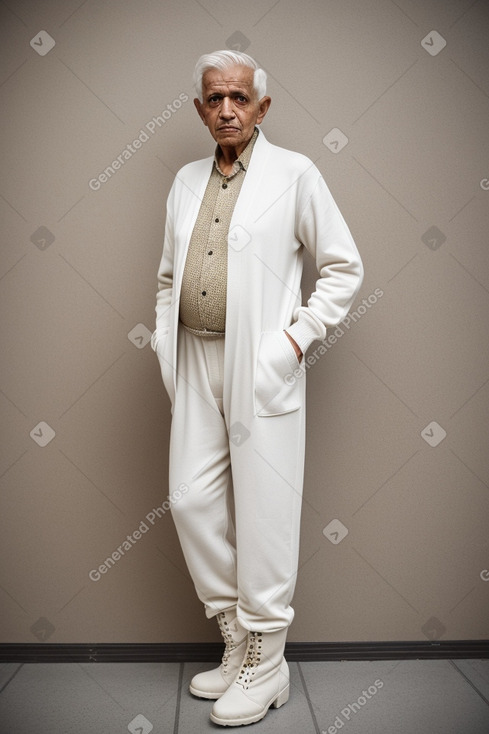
(251, 660)
(228, 639)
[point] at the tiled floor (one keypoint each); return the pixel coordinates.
(377, 697)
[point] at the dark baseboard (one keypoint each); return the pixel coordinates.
(182, 652)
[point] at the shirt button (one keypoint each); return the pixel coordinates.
(224, 186)
(210, 252)
(216, 219)
(204, 292)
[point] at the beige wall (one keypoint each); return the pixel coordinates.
(77, 312)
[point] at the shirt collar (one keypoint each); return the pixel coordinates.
(243, 161)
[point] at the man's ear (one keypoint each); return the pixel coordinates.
(198, 107)
(263, 107)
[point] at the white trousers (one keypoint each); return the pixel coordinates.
(239, 521)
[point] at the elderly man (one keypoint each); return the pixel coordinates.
(230, 331)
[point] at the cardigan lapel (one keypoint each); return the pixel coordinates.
(251, 184)
(195, 188)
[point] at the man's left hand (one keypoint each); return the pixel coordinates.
(297, 348)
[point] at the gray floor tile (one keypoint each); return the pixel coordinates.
(7, 671)
(477, 671)
(386, 696)
(377, 697)
(88, 698)
(291, 718)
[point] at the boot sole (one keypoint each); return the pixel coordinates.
(205, 694)
(282, 698)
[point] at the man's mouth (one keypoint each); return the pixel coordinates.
(228, 128)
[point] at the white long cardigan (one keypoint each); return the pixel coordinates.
(284, 205)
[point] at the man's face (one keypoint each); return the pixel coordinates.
(230, 108)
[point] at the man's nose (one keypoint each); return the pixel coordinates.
(227, 108)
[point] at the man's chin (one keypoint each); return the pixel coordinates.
(231, 134)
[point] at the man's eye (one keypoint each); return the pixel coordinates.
(214, 98)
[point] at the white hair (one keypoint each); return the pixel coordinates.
(224, 60)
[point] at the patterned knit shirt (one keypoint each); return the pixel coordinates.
(203, 293)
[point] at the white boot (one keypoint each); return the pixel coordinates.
(262, 681)
(213, 683)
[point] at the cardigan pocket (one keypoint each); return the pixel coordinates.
(276, 389)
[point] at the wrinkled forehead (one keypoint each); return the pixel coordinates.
(235, 77)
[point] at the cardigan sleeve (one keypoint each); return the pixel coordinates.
(325, 234)
(164, 294)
